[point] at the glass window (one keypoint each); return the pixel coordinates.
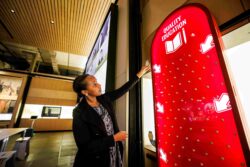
(237, 45)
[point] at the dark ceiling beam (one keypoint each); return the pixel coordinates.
(7, 49)
(6, 29)
(243, 16)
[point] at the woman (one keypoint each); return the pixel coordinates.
(95, 128)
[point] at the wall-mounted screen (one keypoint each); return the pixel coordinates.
(102, 57)
(51, 111)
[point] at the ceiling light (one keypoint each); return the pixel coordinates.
(52, 21)
(12, 11)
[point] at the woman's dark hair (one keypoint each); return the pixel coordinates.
(79, 84)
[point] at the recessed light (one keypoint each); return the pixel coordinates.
(52, 21)
(12, 11)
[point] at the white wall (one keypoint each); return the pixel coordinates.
(35, 109)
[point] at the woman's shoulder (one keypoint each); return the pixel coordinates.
(79, 108)
(104, 97)
(80, 114)
(76, 111)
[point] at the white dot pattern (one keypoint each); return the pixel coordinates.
(192, 130)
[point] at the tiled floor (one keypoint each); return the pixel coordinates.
(53, 149)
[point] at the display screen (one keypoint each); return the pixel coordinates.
(97, 61)
(51, 111)
(195, 124)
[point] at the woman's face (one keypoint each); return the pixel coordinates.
(93, 88)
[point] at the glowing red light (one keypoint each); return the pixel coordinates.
(194, 120)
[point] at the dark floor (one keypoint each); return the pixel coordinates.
(52, 149)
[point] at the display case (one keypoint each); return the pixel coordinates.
(148, 113)
(49, 117)
(148, 122)
(237, 45)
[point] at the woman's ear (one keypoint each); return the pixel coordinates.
(84, 92)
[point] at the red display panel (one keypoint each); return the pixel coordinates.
(195, 125)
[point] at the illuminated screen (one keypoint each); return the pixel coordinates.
(51, 111)
(102, 58)
(99, 52)
(195, 125)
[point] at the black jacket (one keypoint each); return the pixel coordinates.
(89, 130)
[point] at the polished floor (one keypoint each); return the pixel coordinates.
(52, 149)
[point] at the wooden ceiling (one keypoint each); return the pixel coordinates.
(63, 25)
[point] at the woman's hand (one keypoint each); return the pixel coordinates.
(143, 71)
(120, 136)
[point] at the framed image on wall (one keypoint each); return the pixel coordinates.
(9, 92)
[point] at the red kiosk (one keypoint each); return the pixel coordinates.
(197, 120)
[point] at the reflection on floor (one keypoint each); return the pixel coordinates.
(52, 149)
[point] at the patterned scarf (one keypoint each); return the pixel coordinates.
(115, 156)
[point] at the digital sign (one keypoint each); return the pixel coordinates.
(195, 124)
(102, 58)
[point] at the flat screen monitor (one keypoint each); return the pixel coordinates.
(101, 61)
(51, 111)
